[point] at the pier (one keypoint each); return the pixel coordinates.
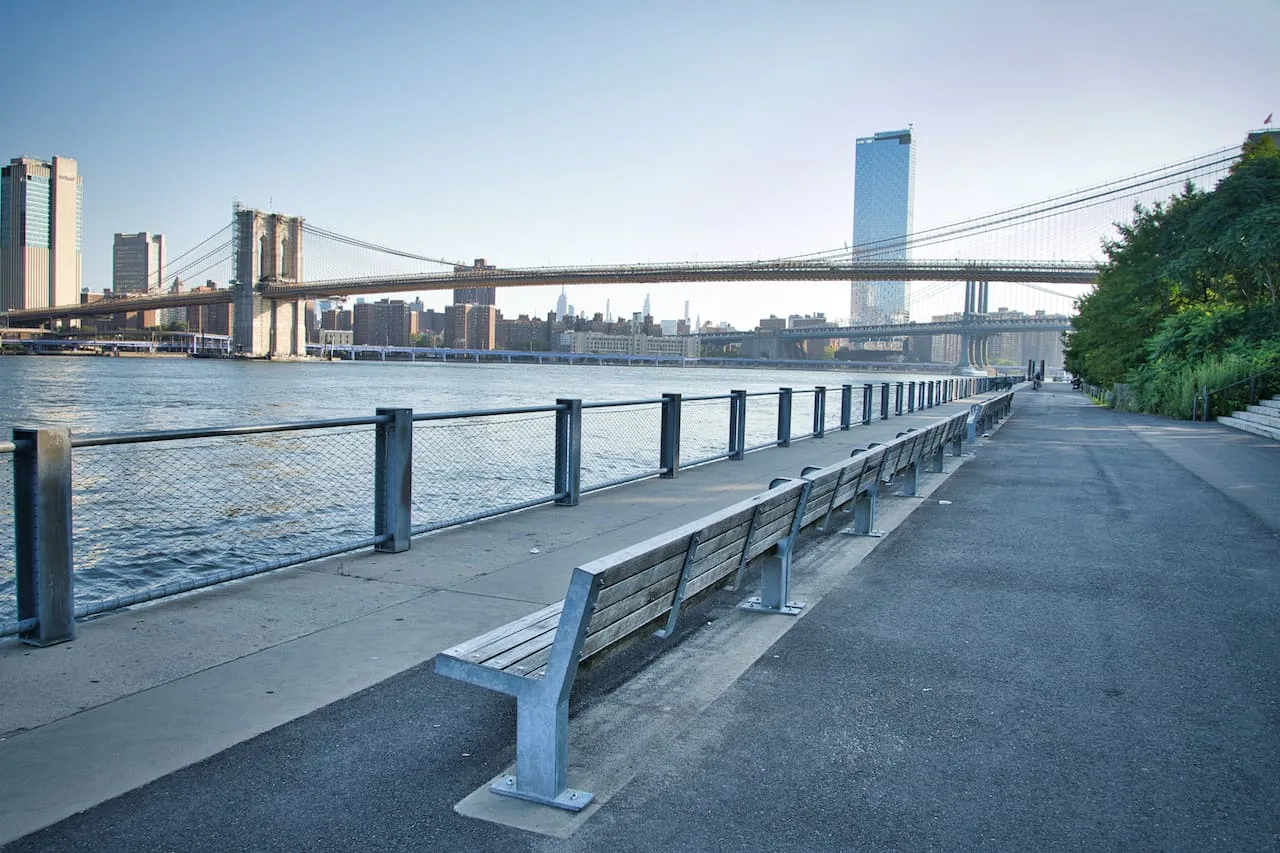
(1069, 638)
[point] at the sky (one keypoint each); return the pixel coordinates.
(568, 132)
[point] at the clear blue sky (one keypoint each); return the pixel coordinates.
(579, 132)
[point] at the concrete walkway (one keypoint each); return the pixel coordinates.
(1072, 643)
(144, 692)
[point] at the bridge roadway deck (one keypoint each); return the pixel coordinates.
(1072, 644)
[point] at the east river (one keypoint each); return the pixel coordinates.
(146, 514)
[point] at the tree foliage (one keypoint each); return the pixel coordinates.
(1188, 282)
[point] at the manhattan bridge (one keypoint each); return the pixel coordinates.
(261, 255)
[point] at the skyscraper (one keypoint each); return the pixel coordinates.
(137, 263)
(883, 200)
(40, 233)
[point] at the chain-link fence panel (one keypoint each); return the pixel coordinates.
(8, 559)
(802, 414)
(762, 420)
(620, 443)
(469, 467)
(704, 430)
(146, 514)
(832, 416)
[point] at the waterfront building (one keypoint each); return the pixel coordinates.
(883, 203)
(482, 327)
(384, 323)
(137, 263)
(597, 343)
(41, 232)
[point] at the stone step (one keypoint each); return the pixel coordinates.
(1260, 415)
(1250, 426)
(1273, 403)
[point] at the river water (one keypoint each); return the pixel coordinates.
(148, 514)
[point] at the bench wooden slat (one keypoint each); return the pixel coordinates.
(464, 651)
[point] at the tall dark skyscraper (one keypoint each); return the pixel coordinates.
(883, 200)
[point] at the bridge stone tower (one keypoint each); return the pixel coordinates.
(268, 250)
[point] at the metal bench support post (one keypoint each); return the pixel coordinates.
(393, 479)
(864, 512)
(542, 712)
(42, 520)
(935, 461)
(911, 479)
(975, 415)
(775, 570)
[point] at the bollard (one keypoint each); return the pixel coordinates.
(819, 411)
(846, 406)
(393, 479)
(784, 417)
(568, 484)
(669, 444)
(42, 528)
(737, 425)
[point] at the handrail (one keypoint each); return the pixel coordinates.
(1200, 405)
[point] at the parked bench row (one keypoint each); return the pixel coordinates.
(619, 596)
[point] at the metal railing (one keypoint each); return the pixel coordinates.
(1201, 405)
(93, 524)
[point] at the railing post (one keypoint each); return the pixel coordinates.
(819, 411)
(669, 447)
(911, 396)
(393, 479)
(784, 417)
(737, 425)
(884, 401)
(866, 403)
(897, 399)
(928, 403)
(846, 406)
(42, 541)
(568, 452)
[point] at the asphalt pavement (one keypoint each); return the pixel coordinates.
(1071, 644)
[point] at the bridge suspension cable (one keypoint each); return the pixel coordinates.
(316, 231)
(1082, 199)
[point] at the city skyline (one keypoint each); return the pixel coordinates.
(630, 135)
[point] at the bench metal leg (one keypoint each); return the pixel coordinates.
(911, 480)
(542, 753)
(864, 514)
(775, 585)
(935, 462)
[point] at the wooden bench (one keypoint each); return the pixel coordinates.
(856, 481)
(610, 600)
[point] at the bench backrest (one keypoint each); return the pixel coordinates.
(616, 596)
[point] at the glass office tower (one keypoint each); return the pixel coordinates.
(883, 199)
(40, 233)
